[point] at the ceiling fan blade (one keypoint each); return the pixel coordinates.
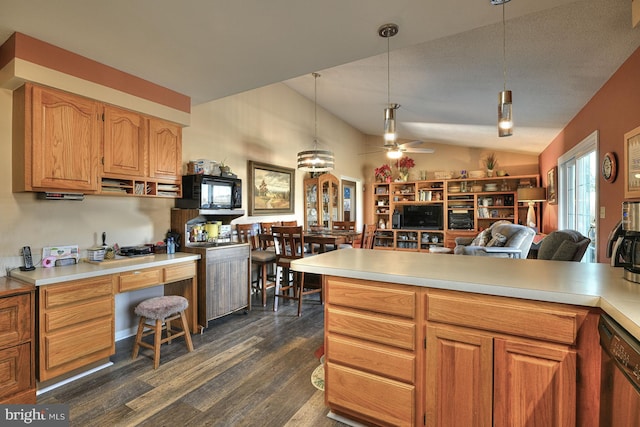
(411, 143)
(420, 150)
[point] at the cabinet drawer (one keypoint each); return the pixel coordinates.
(532, 319)
(140, 279)
(179, 272)
(15, 369)
(376, 328)
(77, 346)
(67, 316)
(376, 359)
(385, 298)
(15, 320)
(73, 292)
(394, 401)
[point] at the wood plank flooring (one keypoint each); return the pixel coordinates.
(249, 369)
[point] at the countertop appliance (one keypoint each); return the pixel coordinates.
(620, 380)
(210, 192)
(624, 242)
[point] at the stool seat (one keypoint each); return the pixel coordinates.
(161, 311)
(161, 307)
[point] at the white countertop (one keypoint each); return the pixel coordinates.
(84, 270)
(592, 285)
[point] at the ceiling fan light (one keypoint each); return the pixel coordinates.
(394, 154)
(505, 114)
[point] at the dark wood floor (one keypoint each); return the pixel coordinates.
(246, 370)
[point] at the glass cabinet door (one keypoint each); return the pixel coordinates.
(311, 204)
(321, 201)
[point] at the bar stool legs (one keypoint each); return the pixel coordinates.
(161, 310)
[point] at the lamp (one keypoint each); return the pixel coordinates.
(387, 31)
(505, 113)
(531, 195)
(316, 160)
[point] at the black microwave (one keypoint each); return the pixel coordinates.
(210, 192)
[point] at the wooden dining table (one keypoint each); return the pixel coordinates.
(329, 239)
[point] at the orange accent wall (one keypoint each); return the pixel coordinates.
(613, 111)
(47, 55)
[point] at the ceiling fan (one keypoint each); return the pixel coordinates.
(395, 150)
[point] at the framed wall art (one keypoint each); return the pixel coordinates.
(271, 189)
(632, 163)
(552, 186)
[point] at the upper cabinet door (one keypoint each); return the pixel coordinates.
(125, 142)
(165, 149)
(65, 141)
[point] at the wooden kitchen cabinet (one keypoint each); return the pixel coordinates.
(77, 325)
(372, 348)
(55, 140)
(125, 143)
(224, 280)
(165, 150)
(495, 361)
(17, 348)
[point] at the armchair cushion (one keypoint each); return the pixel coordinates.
(482, 239)
(563, 245)
(566, 251)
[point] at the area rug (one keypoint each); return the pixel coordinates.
(317, 376)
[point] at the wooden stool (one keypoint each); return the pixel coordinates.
(163, 310)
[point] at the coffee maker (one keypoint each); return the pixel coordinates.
(624, 242)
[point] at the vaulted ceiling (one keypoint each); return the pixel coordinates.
(446, 63)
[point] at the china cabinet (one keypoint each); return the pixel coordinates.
(321, 201)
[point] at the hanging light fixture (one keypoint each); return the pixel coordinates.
(505, 114)
(316, 160)
(387, 31)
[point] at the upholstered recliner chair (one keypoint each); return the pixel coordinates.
(503, 239)
(563, 245)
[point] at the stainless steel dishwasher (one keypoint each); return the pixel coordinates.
(620, 386)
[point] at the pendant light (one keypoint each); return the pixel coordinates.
(316, 160)
(387, 31)
(505, 114)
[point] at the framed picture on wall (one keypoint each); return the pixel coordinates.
(271, 189)
(552, 185)
(632, 163)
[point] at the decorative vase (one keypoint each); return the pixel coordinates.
(404, 176)
(489, 173)
(388, 179)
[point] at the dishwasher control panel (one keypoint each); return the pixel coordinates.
(623, 348)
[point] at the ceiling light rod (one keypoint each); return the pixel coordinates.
(316, 160)
(505, 113)
(387, 31)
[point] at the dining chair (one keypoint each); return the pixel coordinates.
(368, 236)
(260, 257)
(293, 223)
(289, 244)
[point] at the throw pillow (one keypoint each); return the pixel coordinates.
(566, 251)
(497, 240)
(482, 239)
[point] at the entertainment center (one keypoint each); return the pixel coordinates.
(421, 215)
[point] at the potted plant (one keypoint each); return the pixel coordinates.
(383, 173)
(404, 164)
(490, 162)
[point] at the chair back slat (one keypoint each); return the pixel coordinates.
(289, 242)
(368, 235)
(248, 233)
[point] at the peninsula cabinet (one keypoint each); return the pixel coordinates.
(55, 140)
(495, 361)
(411, 356)
(17, 346)
(372, 347)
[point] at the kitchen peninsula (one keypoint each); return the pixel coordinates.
(75, 313)
(411, 337)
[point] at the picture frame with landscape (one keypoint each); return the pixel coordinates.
(271, 189)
